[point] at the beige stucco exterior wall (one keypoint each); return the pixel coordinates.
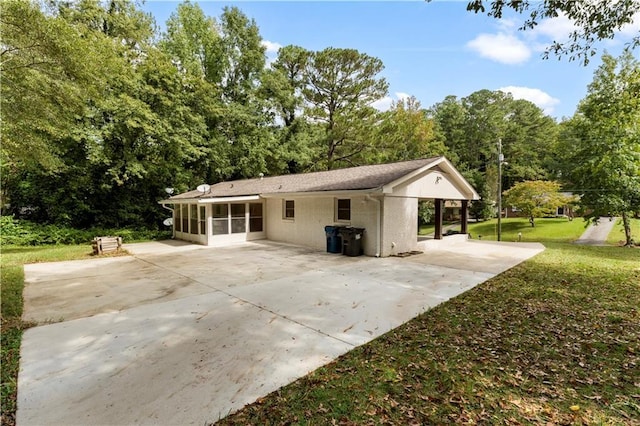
(426, 187)
(400, 225)
(312, 214)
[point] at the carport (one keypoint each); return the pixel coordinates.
(203, 331)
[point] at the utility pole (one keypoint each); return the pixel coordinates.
(500, 161)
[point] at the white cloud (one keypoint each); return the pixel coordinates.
(556, 29)
(402, 96)
(501, 47)
(542, 99)
(272, 47)
(559, 28)
(511, 46)
(383, 104)
(632, 29)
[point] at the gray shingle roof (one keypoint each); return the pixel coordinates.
(349, 179)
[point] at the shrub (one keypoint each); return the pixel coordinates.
(25, 233)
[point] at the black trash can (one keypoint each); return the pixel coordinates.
(351, 241)
(334, 241)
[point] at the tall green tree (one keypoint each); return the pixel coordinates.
(193, 40)
(243, 55)
(341, 86)
(404, 132)
(48, 70)
(602, 142)
(137, 128)
(281, 88)
(224, 60)
(449, 117)
(283, 82)
(474, 126)
(536, 198)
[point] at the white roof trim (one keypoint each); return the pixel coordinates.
(215, 200)
(346, 192)
(212, 200)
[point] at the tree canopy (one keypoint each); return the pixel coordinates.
(536, 198)
(601, 143)
(101, 112)
(473, 126)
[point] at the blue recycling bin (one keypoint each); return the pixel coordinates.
(334, 241)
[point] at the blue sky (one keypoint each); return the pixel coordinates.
(430, 50)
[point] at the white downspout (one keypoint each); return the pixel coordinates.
(173, 216)
(378, 217)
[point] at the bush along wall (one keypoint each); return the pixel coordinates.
(25, 233)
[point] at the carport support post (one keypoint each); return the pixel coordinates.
(463, 217)
(438, 231)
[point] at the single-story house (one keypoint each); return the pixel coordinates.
(382, 199)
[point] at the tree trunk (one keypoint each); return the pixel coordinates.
(627, 229)
(532, 221)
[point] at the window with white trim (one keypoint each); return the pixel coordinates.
(289, 209)
(255, 217)
(343, 210)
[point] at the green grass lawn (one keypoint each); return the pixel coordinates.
(616, 237)
(12, 259)
(546, 229)
(431, 228)
(551, 341)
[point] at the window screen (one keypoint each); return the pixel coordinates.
(202, 220)
(184, 211)
(238, 220)
(220, 222)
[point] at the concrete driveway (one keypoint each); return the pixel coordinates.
(184, 334)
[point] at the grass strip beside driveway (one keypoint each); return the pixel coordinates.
(617, 237)
(553, 340)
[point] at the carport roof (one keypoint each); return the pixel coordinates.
(349, 179)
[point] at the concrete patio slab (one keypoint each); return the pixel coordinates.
(186, 361)
(357, 303)
(62, 291)
(483, 256)
(241, 322)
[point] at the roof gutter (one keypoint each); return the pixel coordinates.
(173, 226)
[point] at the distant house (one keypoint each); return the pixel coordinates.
(382, 199)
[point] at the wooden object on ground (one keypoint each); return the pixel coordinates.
(103, 245)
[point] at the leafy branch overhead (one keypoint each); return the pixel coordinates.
(592, 20)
